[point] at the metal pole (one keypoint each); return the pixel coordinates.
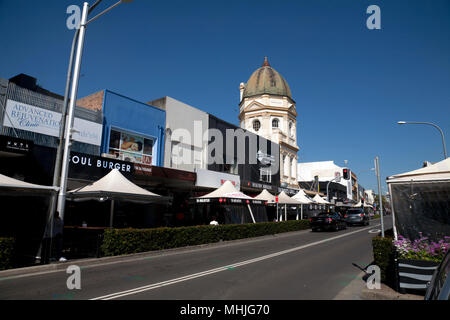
(251, 213)
(111, 214)
(301, 212)
(59, 153)
(430, 124)
(73, 97)
(380, 196)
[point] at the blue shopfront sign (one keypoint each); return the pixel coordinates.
(132, 131)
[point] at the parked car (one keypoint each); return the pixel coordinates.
(357, 216)
(328, 221)
(439, 286)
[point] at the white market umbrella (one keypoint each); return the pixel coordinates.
(115, 186)
(303, 198)
(265, 196)
(227, 190)
(320, 200)
(283, 198)
(11, 186)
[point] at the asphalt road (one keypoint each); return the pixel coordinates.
(292, 266)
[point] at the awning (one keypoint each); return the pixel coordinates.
(115, 186)
(11, 186)
(437, 171)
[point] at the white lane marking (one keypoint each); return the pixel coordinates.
(374, 231)
(220, 269)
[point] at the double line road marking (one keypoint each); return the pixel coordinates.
(220, 269)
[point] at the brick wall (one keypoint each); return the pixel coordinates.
(92, 102)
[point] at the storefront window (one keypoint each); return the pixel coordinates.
(131, 147)
(265, 175)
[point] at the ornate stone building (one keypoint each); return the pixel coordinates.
(267, 108)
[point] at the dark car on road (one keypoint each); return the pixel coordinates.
(439, 286)
(356, 216)
(327, 221)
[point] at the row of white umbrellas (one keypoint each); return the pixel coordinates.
(227, 190)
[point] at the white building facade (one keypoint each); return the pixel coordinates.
(267, 109)
(324, 171)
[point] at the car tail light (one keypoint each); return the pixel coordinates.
(345, 216)
(330, 220)
(310, 219)
(361, 215)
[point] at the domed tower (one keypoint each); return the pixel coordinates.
(267, 109)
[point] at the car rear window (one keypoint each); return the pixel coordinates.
(354, 212)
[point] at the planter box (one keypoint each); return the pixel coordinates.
(415, 274)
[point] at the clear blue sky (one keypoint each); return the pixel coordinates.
(351, 84)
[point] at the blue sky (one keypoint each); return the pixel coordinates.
(351, 84)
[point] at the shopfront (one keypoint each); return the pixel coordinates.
(252, 157)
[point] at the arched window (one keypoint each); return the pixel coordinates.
(256, 125)
(275, 123)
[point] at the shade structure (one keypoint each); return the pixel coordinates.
(227, 190)
(230, 195)
(283, 198)
(437, 171)
(266, 196)
(115, 186)
(318, 199)
(365, 205)
(302, 197)
(420, 202)
(11, 186)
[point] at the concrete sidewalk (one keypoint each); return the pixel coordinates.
(357, 290)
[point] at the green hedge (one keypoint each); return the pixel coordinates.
(127, 241)
(384, 255)
(6, 253)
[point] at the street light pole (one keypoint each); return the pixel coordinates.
(430, 124)
(73, 97)
(337, 179)
(380, 196)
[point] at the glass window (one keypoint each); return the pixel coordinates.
(275, 123)
(265, 175)
(131, 147)
(256, 125)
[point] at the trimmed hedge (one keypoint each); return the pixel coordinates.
(6, 253)
(127, 241)
(384, 257)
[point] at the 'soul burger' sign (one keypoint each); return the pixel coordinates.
(88, 166)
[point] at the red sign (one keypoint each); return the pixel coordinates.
(276, 198)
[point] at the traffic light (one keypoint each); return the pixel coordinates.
(346, 174)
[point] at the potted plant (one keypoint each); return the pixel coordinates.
(417, 260)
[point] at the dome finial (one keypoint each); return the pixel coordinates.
(266, 62)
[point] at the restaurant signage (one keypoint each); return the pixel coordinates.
(84, 166)
(15, 145)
